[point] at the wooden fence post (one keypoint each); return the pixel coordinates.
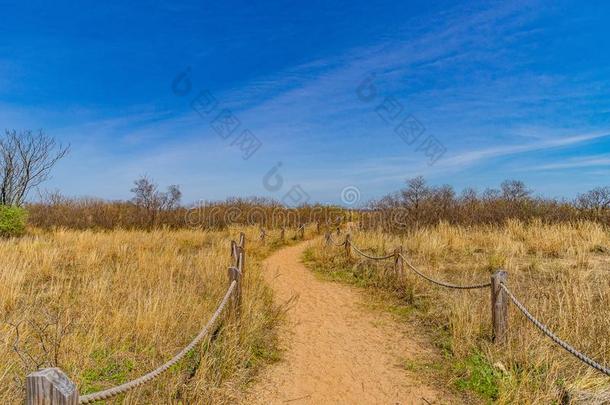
(499, 306)
(50, 387)
(348, 246)
(234, 252)
(241, 258)
(398, 262)
(235, 275)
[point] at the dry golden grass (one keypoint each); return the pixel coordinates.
(560, 272)
(107, 307)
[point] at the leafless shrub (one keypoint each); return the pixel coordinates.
(38, 342)
(428, 205)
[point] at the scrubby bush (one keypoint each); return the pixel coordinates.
(12, 221)
(57, 211)
(419, 204)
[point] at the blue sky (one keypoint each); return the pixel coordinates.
(510, 90)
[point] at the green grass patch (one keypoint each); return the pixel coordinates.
(478, 375)
(418, 366)
(109, 370)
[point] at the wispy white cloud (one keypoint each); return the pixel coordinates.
(472, 157)
(377, 171)
(589, 161)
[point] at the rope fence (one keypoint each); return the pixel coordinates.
(51, 386)
(444, 283)
(500, 297)
(331, 240)
(363, 254)
(298, 234)
(545, 330)
(123, 388)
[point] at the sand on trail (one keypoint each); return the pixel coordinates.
(336, 350)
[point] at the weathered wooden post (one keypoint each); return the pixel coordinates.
(241, 258)
(348, 246)
(50, 386)
(398, 262)
(235, 275)
(499, 306)
(234, 250)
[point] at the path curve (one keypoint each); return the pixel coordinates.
(336, 350)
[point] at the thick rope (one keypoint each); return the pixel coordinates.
(544, 329)
(335, 243)
(361, 253)
(445, 284)
(112, 392)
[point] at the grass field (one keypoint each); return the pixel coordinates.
(107, 307)
(560, 272)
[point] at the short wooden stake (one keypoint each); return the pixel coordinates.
(235, 275)
(50, 387)
(348, 246)
(234, 250)
(241, 258)
(398, 262)
(499, 306)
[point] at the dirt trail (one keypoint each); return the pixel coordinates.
(336, 350)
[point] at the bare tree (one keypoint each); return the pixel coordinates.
(26, 160)
(415, 192)
(515, 190)
(147, 195)
(597, 199)
(414, 196)
(171, 198)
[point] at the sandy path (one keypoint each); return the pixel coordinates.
(336, 350)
